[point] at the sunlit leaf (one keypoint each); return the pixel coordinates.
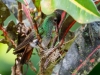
(82, 11)
(9, 57)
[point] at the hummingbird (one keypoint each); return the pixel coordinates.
(50, 22)
(25, 48)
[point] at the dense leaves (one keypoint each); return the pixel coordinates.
(49, 36)
(82, 11)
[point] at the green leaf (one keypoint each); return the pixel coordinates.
(75, 27)
(47, 5)
(82, 11)
(9, 57)
(37, 4)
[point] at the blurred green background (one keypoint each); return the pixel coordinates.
(7, 60)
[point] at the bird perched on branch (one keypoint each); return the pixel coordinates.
(50, 22)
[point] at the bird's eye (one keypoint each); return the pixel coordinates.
(55, 20)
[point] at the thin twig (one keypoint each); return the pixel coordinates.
(32, 22)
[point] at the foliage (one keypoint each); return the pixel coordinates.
(81, 11)
(50, 36)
